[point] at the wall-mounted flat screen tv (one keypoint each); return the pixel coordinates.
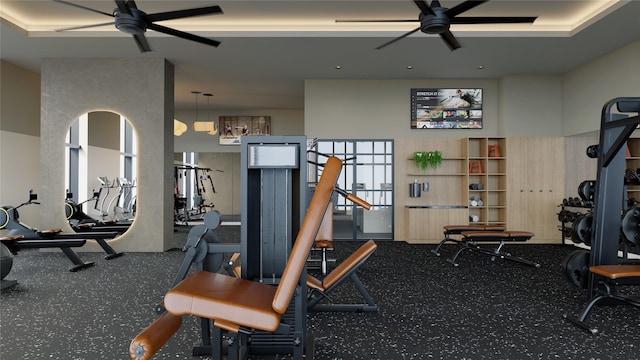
(446, 108)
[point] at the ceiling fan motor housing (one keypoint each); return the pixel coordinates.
(435, 24)
(130, 23)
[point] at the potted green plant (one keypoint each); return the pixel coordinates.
(424, 159)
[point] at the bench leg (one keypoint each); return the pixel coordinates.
(111, 254)
(78, 263)
(446, 239)
(507, 256)
(581, 319)
(464, 247)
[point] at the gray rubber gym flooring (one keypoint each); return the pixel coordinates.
(428, 309)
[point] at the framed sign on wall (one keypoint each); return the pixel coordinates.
(446, 108)
(232, 128)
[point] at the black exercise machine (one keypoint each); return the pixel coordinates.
(247, 309)
(620, 117)
(320, 290)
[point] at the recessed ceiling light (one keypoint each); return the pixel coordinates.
(480, 67)
(338, 67)
(409, 67)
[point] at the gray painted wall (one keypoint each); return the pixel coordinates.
(586, 89)
(368, 109)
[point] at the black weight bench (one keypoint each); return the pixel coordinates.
(471, 239)
(608, 276)
(320, 289)
(459, 229)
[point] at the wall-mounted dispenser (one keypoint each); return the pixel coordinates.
(414, 189)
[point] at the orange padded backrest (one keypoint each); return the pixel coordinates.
(306, 235)
(347, 265)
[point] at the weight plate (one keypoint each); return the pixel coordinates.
(586, 190)
(577, 268)
(575, 230)
(630, 223)
(584, 229)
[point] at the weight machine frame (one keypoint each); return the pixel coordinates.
(615, 129)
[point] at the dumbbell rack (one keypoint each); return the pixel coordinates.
(569, 208)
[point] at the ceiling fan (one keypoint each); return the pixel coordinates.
(130, 20)
(436, 19)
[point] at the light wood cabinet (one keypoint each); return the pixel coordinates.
(420, 219)
(521, 186)
(536, 186)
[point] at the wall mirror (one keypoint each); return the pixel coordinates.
(100, 171)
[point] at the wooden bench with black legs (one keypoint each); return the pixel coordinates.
(608, 278)
(471, 240)
(459, 229)
(241, 306)
(321, 289)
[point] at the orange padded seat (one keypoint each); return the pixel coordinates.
(218, 296)
(10, 238)
(457, 229)
(616, 271)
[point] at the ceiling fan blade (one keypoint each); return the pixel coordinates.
(182, 34)
(142, 43)
(424, 7)
(460, 8)
(398, 38)
(83, 7)
(493, 20)
(169, 15)
(131, 4)
(84, 26)
(123, 7)
(450, 40)
(381, 21)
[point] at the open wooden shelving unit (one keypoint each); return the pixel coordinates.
(447, 201)
(493, 178)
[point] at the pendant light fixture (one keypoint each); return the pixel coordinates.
(205, 126)
(179, 127)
